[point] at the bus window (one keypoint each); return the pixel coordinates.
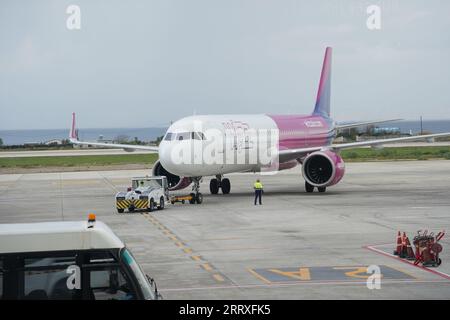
(101, 257)
(128, 259)
(45, 278)
(110, 283)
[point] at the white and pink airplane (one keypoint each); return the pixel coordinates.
(300, 139)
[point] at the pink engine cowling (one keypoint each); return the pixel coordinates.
(323, 168)
(175, 182)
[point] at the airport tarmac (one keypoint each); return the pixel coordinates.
(295, 246)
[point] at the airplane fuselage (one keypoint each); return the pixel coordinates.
(240, 140)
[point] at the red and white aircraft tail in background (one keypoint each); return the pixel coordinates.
(301, 139)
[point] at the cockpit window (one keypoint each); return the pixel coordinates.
(187, 136)
(183, 136)
(169, 136)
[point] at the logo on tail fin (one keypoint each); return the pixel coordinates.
(323, 94)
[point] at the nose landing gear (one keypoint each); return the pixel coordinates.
(196, 196)
(218, 183)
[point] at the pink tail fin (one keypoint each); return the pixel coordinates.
(73, 131)
(322, 106)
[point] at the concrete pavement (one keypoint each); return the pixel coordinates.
(295, 246)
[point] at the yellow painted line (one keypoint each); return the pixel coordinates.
(196, 258)
(179, 244)
(207, 267)
(218, 277)
(173, 238)
(257, 275)
(187, 250)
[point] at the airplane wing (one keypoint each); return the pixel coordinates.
(361, 124)
(73, 137)
(290, 154)
(428, 137)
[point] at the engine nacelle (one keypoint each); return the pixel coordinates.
(323, 168)
(175, 182)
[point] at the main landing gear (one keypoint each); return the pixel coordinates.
(218, 183)
(196, 196)
(310, 188)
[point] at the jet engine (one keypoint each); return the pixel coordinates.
(323, 168)
(175, 182)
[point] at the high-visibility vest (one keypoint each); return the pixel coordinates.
(258, 186)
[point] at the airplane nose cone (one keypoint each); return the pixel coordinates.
(165, 157)
(164, 154)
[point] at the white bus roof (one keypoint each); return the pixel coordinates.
(56, 236)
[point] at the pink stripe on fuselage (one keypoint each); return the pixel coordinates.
(302, 131)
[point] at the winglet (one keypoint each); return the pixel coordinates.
(322, 106)
(73, 135)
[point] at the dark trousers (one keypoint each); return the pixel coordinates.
(258, 195)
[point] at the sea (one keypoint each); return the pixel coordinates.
(19, 137)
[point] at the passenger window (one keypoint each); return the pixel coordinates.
(110, 283)
(46, 279)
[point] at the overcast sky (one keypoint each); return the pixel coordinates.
(146, 63)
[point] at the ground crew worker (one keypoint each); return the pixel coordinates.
(258, 191)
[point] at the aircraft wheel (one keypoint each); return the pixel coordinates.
(199, 198)
(214, 186)
(120, 210)
(308, 187)
(192, 200)
(226, 186)
(322, 189)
